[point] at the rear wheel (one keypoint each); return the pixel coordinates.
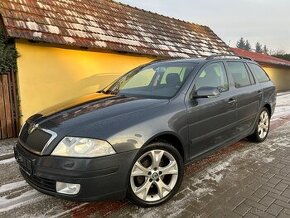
(156, 175)
(262, 127)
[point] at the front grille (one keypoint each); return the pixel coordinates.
(37, 140)
(24, 163)
(42, 183)
(24, 132)
(34, 141)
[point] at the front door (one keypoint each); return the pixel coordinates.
(211, 120)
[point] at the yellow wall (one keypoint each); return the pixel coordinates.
(279, 76)
(49, 75)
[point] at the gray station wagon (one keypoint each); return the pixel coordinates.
(133, 138)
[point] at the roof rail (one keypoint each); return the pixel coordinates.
(246, 58)
(219, 56)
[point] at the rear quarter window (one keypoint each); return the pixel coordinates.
(259, 73)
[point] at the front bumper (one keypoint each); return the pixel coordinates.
(100, 178)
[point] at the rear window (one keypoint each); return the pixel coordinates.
(259, 73)
(239, 73)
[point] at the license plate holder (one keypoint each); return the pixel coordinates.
(24, 163)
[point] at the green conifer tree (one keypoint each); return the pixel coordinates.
(248, 46)
(241, 43)
(259, 48)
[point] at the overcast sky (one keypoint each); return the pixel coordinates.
(266, 21)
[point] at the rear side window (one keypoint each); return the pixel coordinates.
(239, 73)
(259, 73)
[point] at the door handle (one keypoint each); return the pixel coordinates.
(232, 101)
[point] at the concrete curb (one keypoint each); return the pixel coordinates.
(283, 93)
(6, 156)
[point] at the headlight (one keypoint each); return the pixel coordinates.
(82, 147)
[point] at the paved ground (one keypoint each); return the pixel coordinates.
(243, 180)
(6, 147)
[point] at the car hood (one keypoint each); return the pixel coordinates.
(91, 109)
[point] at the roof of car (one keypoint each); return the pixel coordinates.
(208, 59)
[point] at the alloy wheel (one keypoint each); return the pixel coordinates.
(154, 175)
(263, 125)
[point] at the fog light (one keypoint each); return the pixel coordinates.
(67, 188)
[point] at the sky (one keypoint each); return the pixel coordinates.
(266, 21)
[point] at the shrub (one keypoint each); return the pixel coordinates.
(8, 54)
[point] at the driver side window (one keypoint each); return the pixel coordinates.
(214, 75)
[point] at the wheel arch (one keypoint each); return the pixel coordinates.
(171, 138)
(269, 108)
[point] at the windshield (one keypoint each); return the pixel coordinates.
(162, 80)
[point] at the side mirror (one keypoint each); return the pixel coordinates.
(206, 92)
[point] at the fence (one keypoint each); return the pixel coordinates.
(9, 115)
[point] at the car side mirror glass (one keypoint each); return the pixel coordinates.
(206, 92)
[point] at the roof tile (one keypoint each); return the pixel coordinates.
(259, 57)
(105, 24)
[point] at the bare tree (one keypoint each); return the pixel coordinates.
(265, 50)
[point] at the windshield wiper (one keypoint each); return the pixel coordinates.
(112, 92)
(102, 91)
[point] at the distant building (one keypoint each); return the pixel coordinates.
(278, 69)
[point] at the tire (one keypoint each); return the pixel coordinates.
(152, 183)
(262, 127)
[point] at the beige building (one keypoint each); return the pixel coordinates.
(278, 69)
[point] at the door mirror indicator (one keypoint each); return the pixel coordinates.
(206, 92)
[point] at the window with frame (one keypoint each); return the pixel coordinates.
(259, 73)
(214, 75)
(239, 73)
(181, 71)
(160, 80)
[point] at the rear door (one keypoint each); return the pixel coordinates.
(248, 96)
(269, 90)
(210, 120)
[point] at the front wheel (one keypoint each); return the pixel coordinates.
(262, 127)
(156, 175)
